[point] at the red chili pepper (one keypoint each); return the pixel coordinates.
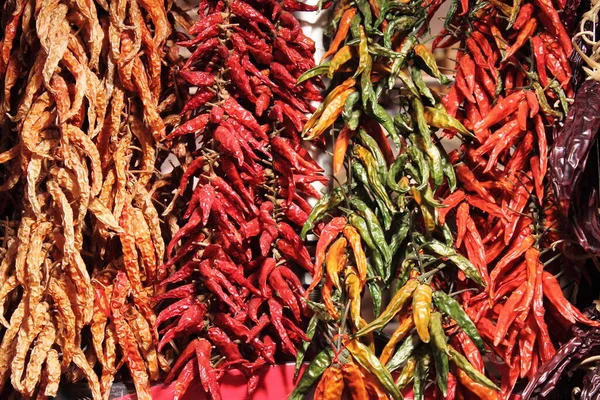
(265, 270)
(175, 310)
(551, 19)
(523, 36)
(503, 108)
(470, 182)
(189, 322)
(450, 202)
(462, 214)
(276, 311)
(463, 87)
(244, 117)
(208, 376)
(261, 324)
(283, 291)
(524, 15)
(328, 234)
(467, 66)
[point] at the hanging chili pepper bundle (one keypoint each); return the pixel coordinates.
(233, 298)
(83, 96)
(379, 229)
(511, 67)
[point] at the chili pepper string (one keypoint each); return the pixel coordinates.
(378, 229)
(234, 265)
(81, 120)
(512, 82)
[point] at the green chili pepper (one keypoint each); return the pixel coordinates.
(408, 82)
(450, 14)
(376, 295)
(435, 157)
(424, 90)
(370, 362)
(403, 23)
(312, 374)
(370, 143)
(354, 120)
(363, 52)
(395, 169)
(355, 26)
(365, 10)
(340, 58)
(419, 115)
(428, 197)
(360, 173)
(415, 153)
(464, 364)
(402, 276)
(315, 71)
(448, 237)
(439, 118)
(420, 378)
(373, 174)
(349, 104)
(448, 171)
(428, 63)
(326, 203)
(407, 46)
(381, 115)
(449, 306)
(461, 262)
(396, 304)
(407, 374)
(398, 237)
(319, 310)
(368, 94)
(310, 333)
(541, 97)
(439, 349)
(403, 122)
(381, 51)
(404, 352)
(375, 229)
(562, 97)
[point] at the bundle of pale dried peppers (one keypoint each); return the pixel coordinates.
(82, 104)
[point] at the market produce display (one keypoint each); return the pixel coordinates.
(162, 206)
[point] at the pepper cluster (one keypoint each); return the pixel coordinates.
(233, 266)
(380, 229)
(82, 93)
(512, 65)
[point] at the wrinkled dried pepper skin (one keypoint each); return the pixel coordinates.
(247, 182)
(88, 111)
(503, 175)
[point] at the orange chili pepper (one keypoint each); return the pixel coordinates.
(360, 257)
(341, 33)
(422, 310)
(331, 385)
(479, 390)
(406, 325)
(339, 149)
(335, 261)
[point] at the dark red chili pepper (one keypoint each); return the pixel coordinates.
(276, 311)
(220, 339)
(283, 291)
